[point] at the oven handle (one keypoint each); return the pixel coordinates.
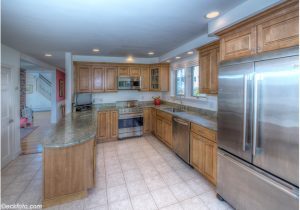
(130, 116)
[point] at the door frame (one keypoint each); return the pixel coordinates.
(13, 150)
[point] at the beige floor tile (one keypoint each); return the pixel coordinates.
(194, 203)
(173, 207)
(95, 198)
(213, 203)
(155, 183)
(78, 205)
(104, 207)
(171, 178)
(163, 168)
(182, 191)
(133, 175)
(15, 188)
(117, 193)
(113, 168)
(137, 188)
(115, 180)
(128, 165)
(143, 202)
(163, 197)
(121, 205)
(149, 172)
(187, 173)
(200, 185)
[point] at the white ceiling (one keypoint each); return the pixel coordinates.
(117, 27)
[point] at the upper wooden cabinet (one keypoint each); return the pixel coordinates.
(274, 29)
(111, 75)
(135, 71)
(98, 78)
(84, 77)
(159, 77)
(145, 78)
(123, 71)
(103, 77)
(208, 59)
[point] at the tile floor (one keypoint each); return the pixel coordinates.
(140, 174)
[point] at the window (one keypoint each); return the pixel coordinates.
(180, 82)
(195, 81)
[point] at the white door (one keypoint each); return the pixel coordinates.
(7, 135)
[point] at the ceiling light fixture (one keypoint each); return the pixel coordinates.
(178, 57)
(212, 14)
(48, 54)
(96, 50)
(168, 61)
(129, 59)
(190, 52)
(150, 53)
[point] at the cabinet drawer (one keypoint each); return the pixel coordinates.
(164, 115)
(207, 133)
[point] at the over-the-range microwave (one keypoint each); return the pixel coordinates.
(129, 83)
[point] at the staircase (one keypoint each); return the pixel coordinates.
(44, 86)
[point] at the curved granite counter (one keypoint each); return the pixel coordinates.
(74, 128)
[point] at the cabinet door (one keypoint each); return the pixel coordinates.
(197, 150)
(147, 120)
(205, 61)
(238, 44)
(103, 125)
(84, 77)
(159, 128)
(155, 79)
(153, 120)
(145, 79)
(213, 82)
(167, 129)
(135, 71)
(210, 160)
(164, 77)
(278, 33)
(113, 124)
(111, 79)
(98, 79)
(123, 71)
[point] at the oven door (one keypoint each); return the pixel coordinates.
(130, 125)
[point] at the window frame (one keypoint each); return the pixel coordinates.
(192, 81)
(184, 88)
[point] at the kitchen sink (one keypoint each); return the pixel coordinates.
(171, 109)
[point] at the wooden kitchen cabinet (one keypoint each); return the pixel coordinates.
(273, 29)
(135, 71)
(111, 75)
(203, 155)
(147, 120)
(145, 79)
(123, 71)
(209, 59)
(84, 77)
(153, 120)
(159, 77)
(107, 125)
(164, 127)
(98, 79)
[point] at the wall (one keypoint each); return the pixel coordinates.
(11, 58)
(35, 100)
(123, 95)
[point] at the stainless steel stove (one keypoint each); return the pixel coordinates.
(130, 119)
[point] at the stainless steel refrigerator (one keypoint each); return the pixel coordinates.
(258, 131)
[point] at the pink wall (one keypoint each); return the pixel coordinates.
(60, 76)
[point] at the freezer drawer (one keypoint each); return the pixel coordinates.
(244, 187)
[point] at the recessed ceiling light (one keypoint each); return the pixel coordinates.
(212, 14)
(178, 57)
(129, 59)
(48, 54)
(96, 50)
(190, 52)
(168, 61)
(150, 53)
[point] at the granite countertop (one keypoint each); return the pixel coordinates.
(74, 128)
(194, 117)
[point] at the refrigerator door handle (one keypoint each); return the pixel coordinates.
(245, 111)
(255, 115)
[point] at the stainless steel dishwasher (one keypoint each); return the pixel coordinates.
(181, 138)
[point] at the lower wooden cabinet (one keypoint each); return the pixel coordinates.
(203, 155)
(147, 120)
(153, 120)
(107, 125)
(164, 127)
